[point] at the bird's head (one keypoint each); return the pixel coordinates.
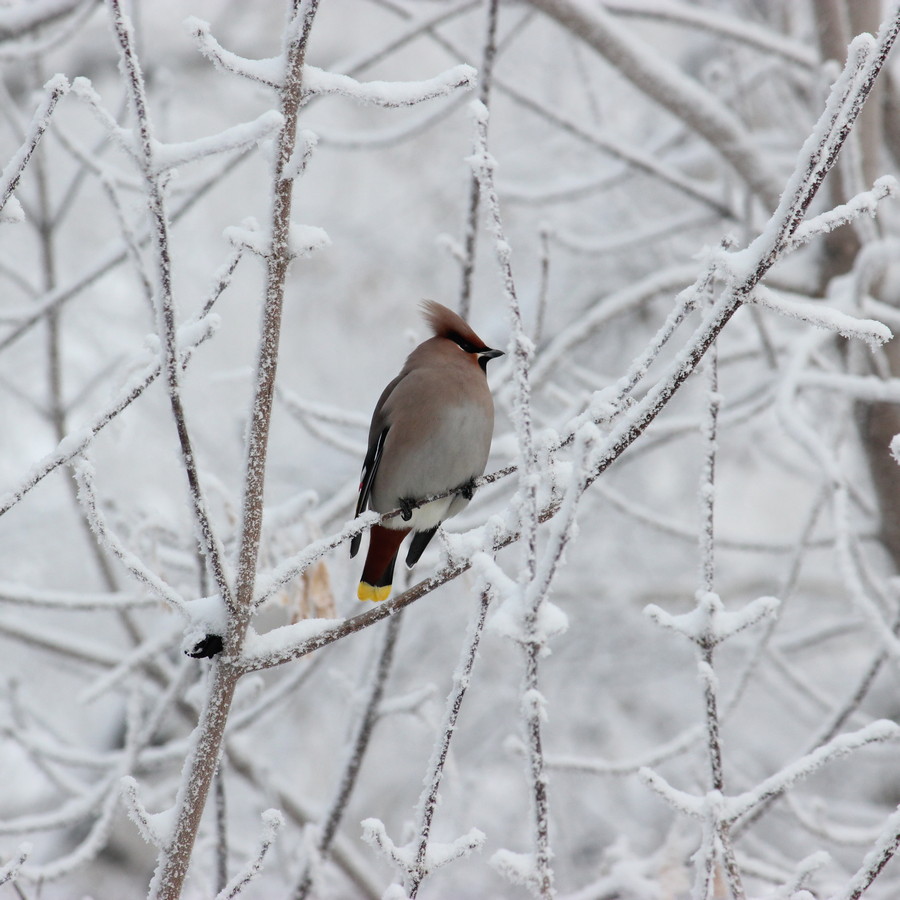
(452, 327)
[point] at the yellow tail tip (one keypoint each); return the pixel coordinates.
(375, 594)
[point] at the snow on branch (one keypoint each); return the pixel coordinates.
(424, 862)
(876, 859)
(390, 94)
(668, 86)
(869, 388)
(84, 90)
(618, 303)
(11, 870)
(237, 137)
(84, 475)
(840, 746)
(191, 335)
(166, 156)
(265, 71)
(729, 809)
(709, 624)
(822, 316)
(290, 568)
(277, 643)
(681, 801)
(302, 239)
(272, 820)
(863, 204)
(54, 89)
(317, 82)
(375, 835)
(155, 829)
(71, 600)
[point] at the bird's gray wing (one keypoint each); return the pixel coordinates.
(370, 467)
(377, 433)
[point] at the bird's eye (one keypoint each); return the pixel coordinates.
(462, 343)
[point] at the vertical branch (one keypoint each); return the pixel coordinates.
(156, 205)
(357, 751)
(429, 797)
(201, 765)
(544, 287)
(56, 88)
(708, 476)
(221, 832)
(484, 92)
(533, 641)
(717, 829)
(277, 263)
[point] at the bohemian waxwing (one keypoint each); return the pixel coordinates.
(431, 432)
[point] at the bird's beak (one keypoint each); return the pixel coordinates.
(490, 354)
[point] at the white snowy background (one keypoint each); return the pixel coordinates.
(697, 699)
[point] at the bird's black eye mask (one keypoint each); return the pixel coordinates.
(468, 346)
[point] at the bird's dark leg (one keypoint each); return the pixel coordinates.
(406, 508)
(467, 489)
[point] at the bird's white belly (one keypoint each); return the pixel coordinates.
(434, 468)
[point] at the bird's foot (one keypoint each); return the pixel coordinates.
(406, 508)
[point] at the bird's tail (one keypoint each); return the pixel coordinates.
(378, 571)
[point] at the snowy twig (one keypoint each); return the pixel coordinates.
(428, 799)
(355, 755)
(318, 82)
(55, 299)
(200, 766)
(137, 812)
(876, 859)
(864, 204)
(533, 636)
(78, 441)
(821, 316)
(54, 89)
(272, 822)
(634, 158)
(485, 82)
(667, 85)
(84, 475)
(157, 208)
(10, 871)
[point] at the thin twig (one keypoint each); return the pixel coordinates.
(355, 755)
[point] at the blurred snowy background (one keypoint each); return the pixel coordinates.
(610, 200)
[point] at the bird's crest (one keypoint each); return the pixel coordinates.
(447, 324)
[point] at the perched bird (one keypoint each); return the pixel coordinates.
(431, 432)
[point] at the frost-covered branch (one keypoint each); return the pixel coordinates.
(531, 605)
(421, 866)
(272, 823)
(669, 87)
(84, 475)
(388, 94)
(355, 754)
(200, 767)
(485, 82)
(54, 89)
(10, 871)
(145, 151)
(79, 440)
